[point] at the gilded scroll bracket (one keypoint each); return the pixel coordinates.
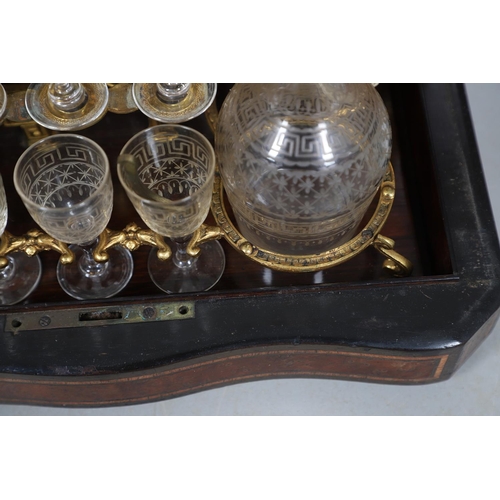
(131, 237)
(33, 242)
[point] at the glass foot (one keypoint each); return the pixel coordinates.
(202, 275)
(107, 280)
(43, 112)
(197, 99)
(19, 278)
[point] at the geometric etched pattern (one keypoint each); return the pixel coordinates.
(174, 169)
(60, 185)
(301, 163)
(69, 172)
(69, 190)
(178, 167)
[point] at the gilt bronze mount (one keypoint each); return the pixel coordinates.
(370, 235)
(32, 243)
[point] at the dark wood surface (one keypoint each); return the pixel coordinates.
(241, 273)
(351, 321)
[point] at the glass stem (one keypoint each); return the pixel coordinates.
(180, 256)
(172, 93)
(67, 96)
(87, 265)
(8, 270)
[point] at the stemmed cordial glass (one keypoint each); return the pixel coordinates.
(173, 102)
(19, 273)
(67, 106)
(65, 182)
(168, 173)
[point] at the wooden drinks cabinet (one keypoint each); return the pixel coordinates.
(353, 321)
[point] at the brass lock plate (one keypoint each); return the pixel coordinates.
(98, 316)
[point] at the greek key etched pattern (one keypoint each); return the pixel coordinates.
(288, 174)
(176, 169)
(172, 168)
(65, 178)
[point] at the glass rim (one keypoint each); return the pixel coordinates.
(166, 201)
(3, 101)
(53, 138)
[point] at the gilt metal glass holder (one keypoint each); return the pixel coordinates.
(370, 235)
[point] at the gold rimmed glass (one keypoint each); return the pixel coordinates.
(173, 102)
(67, 106)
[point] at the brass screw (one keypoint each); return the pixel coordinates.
(44, 321)
(149, 312)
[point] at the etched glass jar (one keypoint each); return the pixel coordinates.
(302, 162)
